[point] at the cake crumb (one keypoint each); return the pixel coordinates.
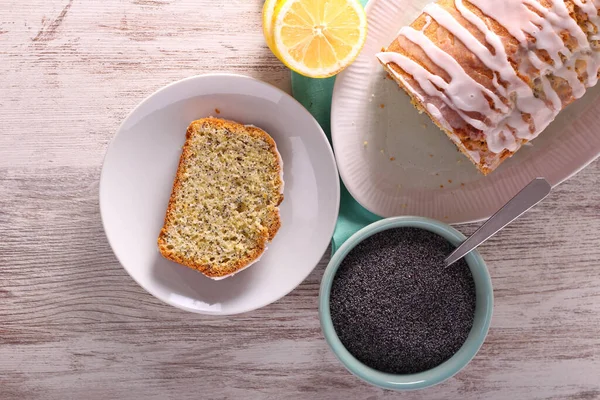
(462, 184)
(382, 105)
(459, 162)
(423, 125)
(365, 143)
(445, 217)
(431, 155)
(217, 111)
(441, 186)
(437, 174)
(449, 180)
(404, 205)
(381, 151)
(392, 158)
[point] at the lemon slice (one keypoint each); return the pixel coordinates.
(318, 38)
(267, 22)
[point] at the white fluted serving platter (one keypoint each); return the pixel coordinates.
(395, 161)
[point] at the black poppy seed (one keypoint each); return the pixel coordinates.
(394, 305)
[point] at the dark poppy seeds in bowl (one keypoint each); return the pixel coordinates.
(396, 307)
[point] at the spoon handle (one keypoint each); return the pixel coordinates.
(528, 197)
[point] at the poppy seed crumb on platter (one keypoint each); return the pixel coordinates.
(394, 305)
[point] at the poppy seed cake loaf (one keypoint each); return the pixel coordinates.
(224, 206)
(494, 74)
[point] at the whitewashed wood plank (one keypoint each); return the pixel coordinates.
(74, 325)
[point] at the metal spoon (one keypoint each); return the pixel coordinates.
(528, 197)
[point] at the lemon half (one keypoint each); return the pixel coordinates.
(267, 22)
(317, 38)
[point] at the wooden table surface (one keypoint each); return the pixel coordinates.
(74, 325)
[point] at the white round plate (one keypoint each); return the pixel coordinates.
(137, 179)
(395, 161)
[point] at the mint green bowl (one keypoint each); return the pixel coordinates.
(481, 324)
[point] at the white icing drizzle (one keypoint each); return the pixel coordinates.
(590, 8)
(520, 22)
(497, 62)
(467, 93)
(474, 155)
(435, 113)
(429, 83)
(592, 70)
(551, 94)
(503, 124)
(427, 22)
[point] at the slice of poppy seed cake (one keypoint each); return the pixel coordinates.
(224, 206)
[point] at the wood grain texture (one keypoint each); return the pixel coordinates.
(74, 325)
